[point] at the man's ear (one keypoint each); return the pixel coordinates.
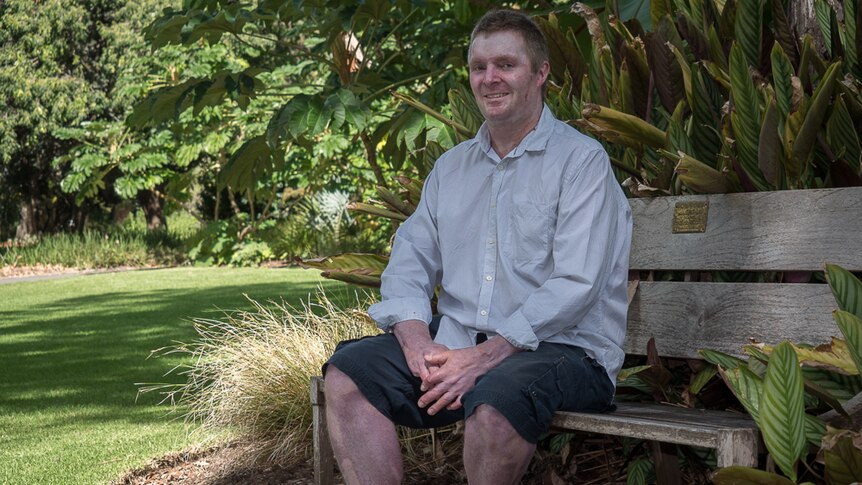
(543, 72)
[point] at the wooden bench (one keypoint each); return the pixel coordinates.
(772, 232)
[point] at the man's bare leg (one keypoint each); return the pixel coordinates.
(494, 453)
(365, 442)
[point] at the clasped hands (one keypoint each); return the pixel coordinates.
(446, 374)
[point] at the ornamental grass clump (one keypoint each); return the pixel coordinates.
(249, 374)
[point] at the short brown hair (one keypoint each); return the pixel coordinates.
(505, 20)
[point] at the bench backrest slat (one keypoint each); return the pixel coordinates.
(684, 317)
(766, 231)
(762, 231)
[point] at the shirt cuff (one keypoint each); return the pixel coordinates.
(518, 332)
(389, 312)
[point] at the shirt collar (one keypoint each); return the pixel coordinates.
(535, 141)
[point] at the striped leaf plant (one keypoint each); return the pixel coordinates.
(785, 387)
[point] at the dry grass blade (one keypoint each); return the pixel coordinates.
(249, 372)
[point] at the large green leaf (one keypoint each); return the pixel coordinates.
(346, 107)
(746, 386)
(782, 80)
(699, 176)
(696, 38)
(839, 386)
(782, 409)
(248, 164)
(740, 475)
(803, 145)
(562, 52)
(847, 34)
(815, 428)
(659, 9)
(851, 327)
(823, 14)
(705, 117)
(726, 361)
(745, 117)
(630, 129)
(394, 201)
(663, 64)
(782, 30)
(841, 135)
(359, 263)
(411, 101)
(639, 472)
(846, 288)
(749, 15)
(376, 211)
(465, 111)
(770, 153)
(702, 378)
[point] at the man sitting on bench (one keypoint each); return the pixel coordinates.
(527, 233)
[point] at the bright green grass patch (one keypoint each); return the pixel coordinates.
(72, 349)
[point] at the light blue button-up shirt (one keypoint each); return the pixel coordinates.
(532, 247)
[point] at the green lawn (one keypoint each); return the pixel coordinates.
(72, 349)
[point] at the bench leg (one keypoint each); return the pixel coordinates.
(324, 459)
(737, 448)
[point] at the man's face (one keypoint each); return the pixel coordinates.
(502, 78)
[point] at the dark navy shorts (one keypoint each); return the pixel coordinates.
(527, 387)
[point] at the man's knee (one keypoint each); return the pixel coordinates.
(486, 420)
(339, 387)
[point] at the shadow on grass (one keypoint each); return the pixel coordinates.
(88, 352)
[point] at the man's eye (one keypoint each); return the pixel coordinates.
(478, 68)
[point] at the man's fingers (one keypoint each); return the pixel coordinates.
(436, 358)
(444, 401)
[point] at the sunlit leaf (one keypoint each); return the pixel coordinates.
(634, 130)
(359, 263)
(851, 327)
(782, 412)
(700, 177)
(846, 288)
(746, 386)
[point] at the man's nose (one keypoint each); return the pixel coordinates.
(490, 75)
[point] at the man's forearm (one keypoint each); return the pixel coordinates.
(411, 332)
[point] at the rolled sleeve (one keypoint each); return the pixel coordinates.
(518, 331)
(389, 312)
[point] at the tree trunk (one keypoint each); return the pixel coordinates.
(803, 21)
(152, 204)
(28, 223)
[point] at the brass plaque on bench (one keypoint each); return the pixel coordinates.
(690, 217)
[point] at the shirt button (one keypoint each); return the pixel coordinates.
(489, 278)
(491, 241)
(483, 312)
(500, 167)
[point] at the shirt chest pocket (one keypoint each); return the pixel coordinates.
(529, 232)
